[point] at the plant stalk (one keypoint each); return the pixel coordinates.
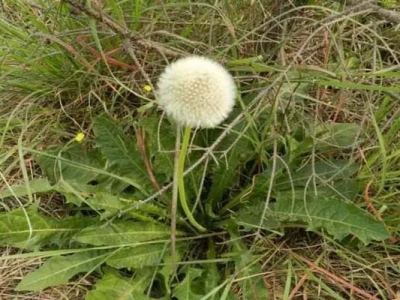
(181, 183)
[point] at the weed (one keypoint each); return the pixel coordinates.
(297, 190)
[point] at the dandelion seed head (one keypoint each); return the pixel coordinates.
(196, 92)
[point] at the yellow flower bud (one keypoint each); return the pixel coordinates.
(79, 137)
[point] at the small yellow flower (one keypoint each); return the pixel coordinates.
(147, 88)
(79, 137)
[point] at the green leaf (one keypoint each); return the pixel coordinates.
(40, 185)
(246, 267)
(69, 226)
(74, 163)
(121, 152)
(122, 233)
(212, 277)
(112, 286)
(253, 287)
(336, 135)
(74, 192)
(325, 137)
(166, 272)
(77, 170)
(115, 286)
(160, 143)
(319, 172)
(28, 230)
(338, 218)
(59, 269)
(343, 189)
(184, 290)
(357, 86)
(110, 205)
(249, 218)
(32, 230)
(137, 257)
(225, 175)
(332, 169)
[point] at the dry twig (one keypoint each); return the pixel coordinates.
(380, 12)
(128, 36)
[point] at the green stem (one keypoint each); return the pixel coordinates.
(181, 183)
(174, 202)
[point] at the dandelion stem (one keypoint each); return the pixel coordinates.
(174, 202)
(181, 183)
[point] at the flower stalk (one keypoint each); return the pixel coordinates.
(181, 183)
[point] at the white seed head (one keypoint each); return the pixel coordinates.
(196, 92)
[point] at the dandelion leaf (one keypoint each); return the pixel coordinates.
(122, 233)
(247, 267)
(249, 218)
(120, 151)
(333, 169)
(40, 185)
(224, 177)
(336, 135)
(108, 205)
(27, 229)
(59, 269)
(335, 216)
(160, 143)
(115, 286)
(320, 172)
(137, 257)
(184, 289)
(31, 230)
(74, 163)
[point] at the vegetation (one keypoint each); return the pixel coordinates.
(297, 190)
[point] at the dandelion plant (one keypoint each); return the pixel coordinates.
(196, 92)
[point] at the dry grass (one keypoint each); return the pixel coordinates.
(13, 270)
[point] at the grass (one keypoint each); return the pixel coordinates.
(299, 66)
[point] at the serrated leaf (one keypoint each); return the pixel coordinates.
(115, 286)
(112, 286)
(224, 177)
(344, 189)
(246, 267)
(336, 135)
(73, 191)
(40, 185)
(137, 257)
(183, 290)
(110, 205)
(167, 271)
(320, 172)
(249, 218)
(333, 169)
(28, 230)
(72, 163)
(120, 151)
(335, 216)
(211, 275)
(69, 226)
(159, 146)
(254, 286)
(122, 233)
(59, 269)
(33, 230)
